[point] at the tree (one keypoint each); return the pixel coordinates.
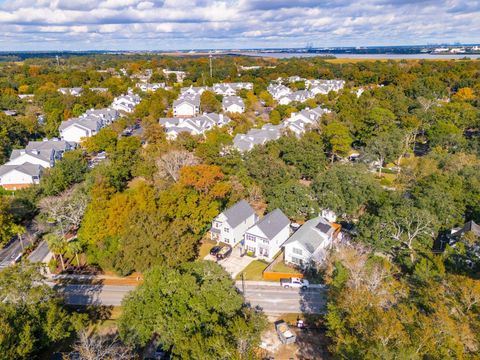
(8, 228)
(170, 164)
(346, 189)
(384, 147)
(31, 313)
(338, 139)
(447, 135)
(195, 312)
(68, 171)
(94, 347)
(105, 140)
(296, 200)
(209, 102)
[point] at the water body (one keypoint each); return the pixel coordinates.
(282, 55)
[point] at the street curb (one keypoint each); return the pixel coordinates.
(275, 284)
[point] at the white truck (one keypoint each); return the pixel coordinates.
(295, 283)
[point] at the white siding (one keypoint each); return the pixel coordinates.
(16, 177)
(185, 109)
(74, 134)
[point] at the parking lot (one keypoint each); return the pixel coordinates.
(233, 264)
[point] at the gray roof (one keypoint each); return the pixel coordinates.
(42, 154)
(273, 223)
(53, 144)
(194, 100)
(238, 213)
(86, 122)
(469, 226)
(232, 100)
(312, 234)
(27, 168)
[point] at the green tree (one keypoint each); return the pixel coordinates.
(209, 102)
(338, 139)
(194, 310)
(31, 313)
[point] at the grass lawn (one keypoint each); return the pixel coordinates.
(282, 268)
(205, 248)
(253, 271)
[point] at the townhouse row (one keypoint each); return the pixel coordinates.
(265, 237)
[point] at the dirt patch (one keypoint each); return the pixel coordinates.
(311, 344)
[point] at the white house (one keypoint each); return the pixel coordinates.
(186, 106)
(233, 104)
(126, 103)
(265, 238)
(278, 90)
(74, 91)
(310, 244)
(230, 226)
(14, 177)
(74, 130)
(195, 126)
(44, 158)
(150, 87)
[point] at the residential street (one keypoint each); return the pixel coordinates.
(270, 297)
(12, 250)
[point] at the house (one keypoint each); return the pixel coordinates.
(230, 89)
(230, 226)
(186, 106)
(278, 90)
(246, 142)
(299, 122)
(469, 227)
(233, 104)
(75, 129)
(74, 91)
(265, 238)
(10, 112)
(193, 90)
(298, 96)
(106, 115)
(180, 75)
(150, 87)
(57, 146)
(318, 86)
(295, 78)
(195, 126)
(99, 89)
(125, 103)
(310, 243)
(14, 177)
(44, 158)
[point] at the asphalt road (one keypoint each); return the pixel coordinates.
(13, 249)
(272, 299)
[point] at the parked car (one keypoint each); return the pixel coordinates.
(295, 283)
(224, 252)
(284, 333)
(214, 251)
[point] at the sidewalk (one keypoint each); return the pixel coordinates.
(274, 283)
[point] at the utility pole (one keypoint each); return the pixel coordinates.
(243, 284)
(211, 72)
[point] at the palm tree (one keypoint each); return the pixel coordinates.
(75, 247)
(57, 245)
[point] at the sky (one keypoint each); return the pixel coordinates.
(228, 24)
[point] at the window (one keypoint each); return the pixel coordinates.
(297, 251)
(226, 230)
(250, 238)
(297, 261)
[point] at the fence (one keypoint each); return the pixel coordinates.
(269, 274)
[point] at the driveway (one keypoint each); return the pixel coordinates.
(235, 263)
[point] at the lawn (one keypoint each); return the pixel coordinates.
(205, 248)
(282, 268)
(253, 271)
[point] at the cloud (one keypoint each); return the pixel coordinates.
(187, 24)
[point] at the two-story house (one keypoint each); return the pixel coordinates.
(265, 238)
(230, 226)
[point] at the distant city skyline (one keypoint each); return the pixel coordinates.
(203, 24)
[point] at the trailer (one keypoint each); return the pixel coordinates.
(285, 335)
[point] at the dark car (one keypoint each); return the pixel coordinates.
(214, 251)
(224, 252)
